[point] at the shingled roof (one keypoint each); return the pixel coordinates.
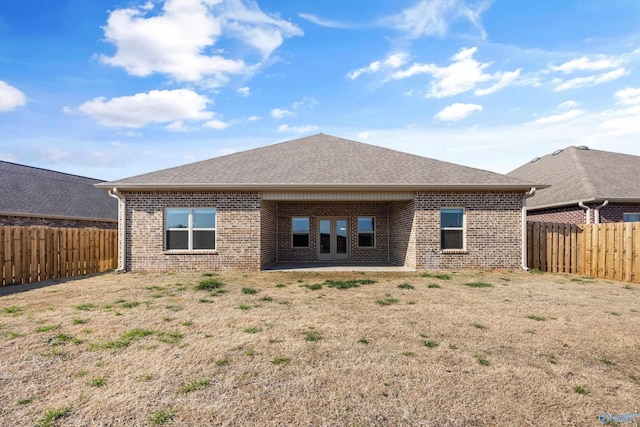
(30, 191)
(579, 174)
(320, 162)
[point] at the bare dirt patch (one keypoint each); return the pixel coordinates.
(321, 349)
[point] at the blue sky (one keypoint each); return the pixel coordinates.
(114, 88)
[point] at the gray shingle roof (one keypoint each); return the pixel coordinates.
(320, 162)
(578, 174)
(33, 191)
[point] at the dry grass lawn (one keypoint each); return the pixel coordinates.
(272, 349)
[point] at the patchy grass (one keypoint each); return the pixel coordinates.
(313, 287)
(209, 284)
(249, 291)
(478, 285)
(405, 286)
(441, 276)
(292, 358)
(387, 301)
(433, 286)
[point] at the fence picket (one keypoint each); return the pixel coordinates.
(30, 254)
(608, 251)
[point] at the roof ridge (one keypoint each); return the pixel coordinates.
(51, 170)
(585, 179)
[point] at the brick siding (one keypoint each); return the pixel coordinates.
(268, 233)
(351, 211)
(253, 233)
(574, 214)
(402, 239)
(238, 233)
(493, 230)
(55, 222)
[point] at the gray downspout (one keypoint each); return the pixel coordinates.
(596, 210)
(585, 207)
(527, 195)
(122, 227)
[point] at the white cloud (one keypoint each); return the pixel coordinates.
(253, 118)
(216, 124)
(586, 64)
(178, 126)
(589, 80)
(391, 62)
(457, 111)
(623, 122)
(628, 96)
(157, 106)
(568, 104)
(180, 40)
(322, 22)
(244, 91)
(279, 113)
(308, 102)
(462, 75)
(559, 118)
(504, 79)
(296, 129)
(118, 144)
(433, 17)
(10, 97)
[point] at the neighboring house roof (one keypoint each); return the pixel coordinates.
(30, 191)
(579, 174)
(320, 162)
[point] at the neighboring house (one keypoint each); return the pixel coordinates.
(319, 198)
(34, 196)
(586, 186)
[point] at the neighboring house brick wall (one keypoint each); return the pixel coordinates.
(268, 233)
(613, 212)
(348, 210)
(576, 215)
(402, 240)
(565, 215)
(493, 230)
(238, 233)
(55, 222)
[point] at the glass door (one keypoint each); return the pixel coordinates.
(333, 239)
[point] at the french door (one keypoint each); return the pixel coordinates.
(333, 239)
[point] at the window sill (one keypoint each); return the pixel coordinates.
(454, 251)
(194, 252)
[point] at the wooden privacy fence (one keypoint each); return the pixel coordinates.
(607, 251)
(33, 254)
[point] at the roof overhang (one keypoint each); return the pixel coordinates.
(319, 187)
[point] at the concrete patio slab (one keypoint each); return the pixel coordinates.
(339, 266)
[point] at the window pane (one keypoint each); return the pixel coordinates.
(451, 217)
(366, 240)
(451, 239)
(204, 218)
(366, 225)
(300, 225)
(300, 240)
(177, 240)
(177, 218)
(204, 239)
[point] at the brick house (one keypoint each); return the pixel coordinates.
(34, 196)
(586, 186)
(319, 198)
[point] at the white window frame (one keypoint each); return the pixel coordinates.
(190, 229)
(375, 237)
(463, 228)
(308, 233)
(635, 214)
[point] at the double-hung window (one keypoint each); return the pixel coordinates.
(366, 232)
(300, 232)
(631, 217)
(452, 229)
(190, 229)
